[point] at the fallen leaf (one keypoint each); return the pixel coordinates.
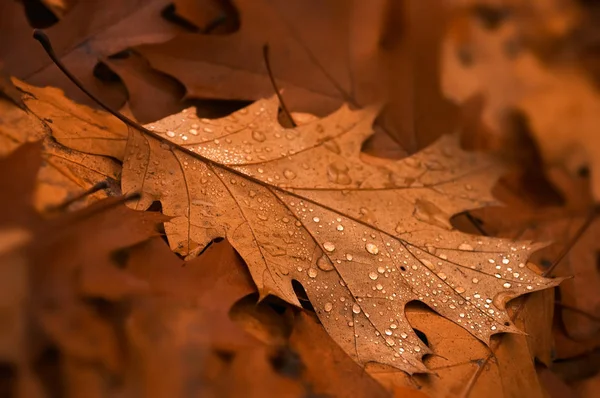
(63, 173)
(318, 67)
(150, 93)
(299, 203)
(42, 277)
(330, 371)
(464, 366)
(557, 224)
(180, 330)
(92, 29)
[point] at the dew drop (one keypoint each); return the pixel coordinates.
(388, 332)
(340, 227)
(379, 287)
(465, 246)
(393, 326)
(507, 285)
(349, 257)
(350, 323)
(493, 327)
(371, 248)
(516, 274)
(312, 272)
(417, 349)
(170, 134)
(529, 287)
(329, 246)
(316, 219)
(193, 132)
(328, 307)
(258, 136)
(356, 309)
(337, 172)
(263, 217)
(373, 275)
(390, 341)
(498, 275)
(475, 280)
(460, 289)
(289, 174)
(403, 335)
(381, 270)
(442, 276)
(505, 261)
(324, 264)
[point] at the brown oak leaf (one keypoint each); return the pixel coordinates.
(363, 240)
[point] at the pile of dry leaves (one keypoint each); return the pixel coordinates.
(299, 198)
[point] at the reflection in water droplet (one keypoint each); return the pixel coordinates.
(417, 349)
(328, 307)
(289, 174)
(356, 309)
(393, 326)
(325, 264)
(373, 275)
(316, 219)
(505, 261)
(259, 136)
(493, 327)
(388, 332)
(379, 286)
(507, 285)
(340, 227)
(329, 246)
(403, 335)
(372, 248)
(312, 272)
(349, 257)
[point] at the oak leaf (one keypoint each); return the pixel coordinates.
(63, 172)
(299, 204)
(318, 68)
(89, 30)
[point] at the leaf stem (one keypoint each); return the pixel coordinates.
(275, 88)
(588, 221)
(62, 206)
